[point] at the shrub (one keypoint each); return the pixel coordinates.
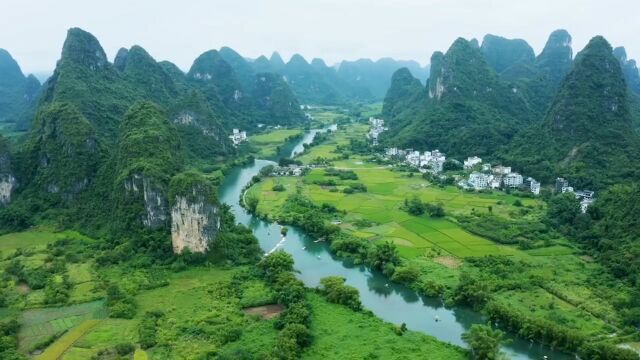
(335, 291)
(124, 348)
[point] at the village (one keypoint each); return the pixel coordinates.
(481, 176)
(473, 174)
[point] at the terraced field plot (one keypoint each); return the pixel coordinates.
(39, 324)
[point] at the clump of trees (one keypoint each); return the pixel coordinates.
(293, 322)
(417, 207)
(354, 188)
(341, 174)
(120, 304)
(148, 329)
(484, 342)
(334, 290)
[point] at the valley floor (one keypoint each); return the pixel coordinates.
(554, 284)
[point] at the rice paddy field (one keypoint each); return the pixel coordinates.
(381, 204)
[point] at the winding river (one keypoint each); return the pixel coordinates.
(391, 302)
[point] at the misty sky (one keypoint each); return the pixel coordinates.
(33, 31)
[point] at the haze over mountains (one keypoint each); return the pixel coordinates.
(311, 82)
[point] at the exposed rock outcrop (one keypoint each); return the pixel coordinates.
(155, 201)
(7, 180)
(195, 214)
(149, 153)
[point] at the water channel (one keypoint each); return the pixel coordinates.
(391, 302)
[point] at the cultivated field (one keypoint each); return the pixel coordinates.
(266, 145)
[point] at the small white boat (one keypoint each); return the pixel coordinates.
(304, 248)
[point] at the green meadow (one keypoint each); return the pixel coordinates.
(381, 204)
(266, 145)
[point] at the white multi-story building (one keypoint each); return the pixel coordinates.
(496, 182)
(471, 162)
(413, 158)
(238, 136)
(377, 127)
(391, 151)
(479, 180)
(584, 204)
(512, 180)
(502, 170)
(534, 186)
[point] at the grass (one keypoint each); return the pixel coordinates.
(267, 143)
(27, 239)
(387, 191)
(39, 324)
(342, 334)
(58, 348)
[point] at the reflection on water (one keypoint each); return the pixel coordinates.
(391, 302)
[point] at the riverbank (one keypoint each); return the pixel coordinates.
(562, 274)
(389, 301)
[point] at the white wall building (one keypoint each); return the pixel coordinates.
(391, 151)
(534, 186)
(238, 136)
(471, 162)
(502, 170)
(479, 180)
(513, 180)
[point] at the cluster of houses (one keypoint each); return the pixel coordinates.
(290, 170)
(586, 197)
(238, 136)
(428, 161)
(496, 178)
(377, 127)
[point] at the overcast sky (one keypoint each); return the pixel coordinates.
(33, 31)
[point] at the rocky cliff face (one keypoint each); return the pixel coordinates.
(195, 213)
(156, 209)
(149, 153)
(194, 224)
(7, 180)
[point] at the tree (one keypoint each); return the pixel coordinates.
(334, 289)
(383, 254)
(414, 206)
(483, 341)
(563, 210)
(252, 201)
(276, 263)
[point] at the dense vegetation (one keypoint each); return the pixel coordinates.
(587, 135)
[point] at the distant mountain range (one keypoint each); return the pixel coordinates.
(18, 93)
(547, 115)
(317, 83)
